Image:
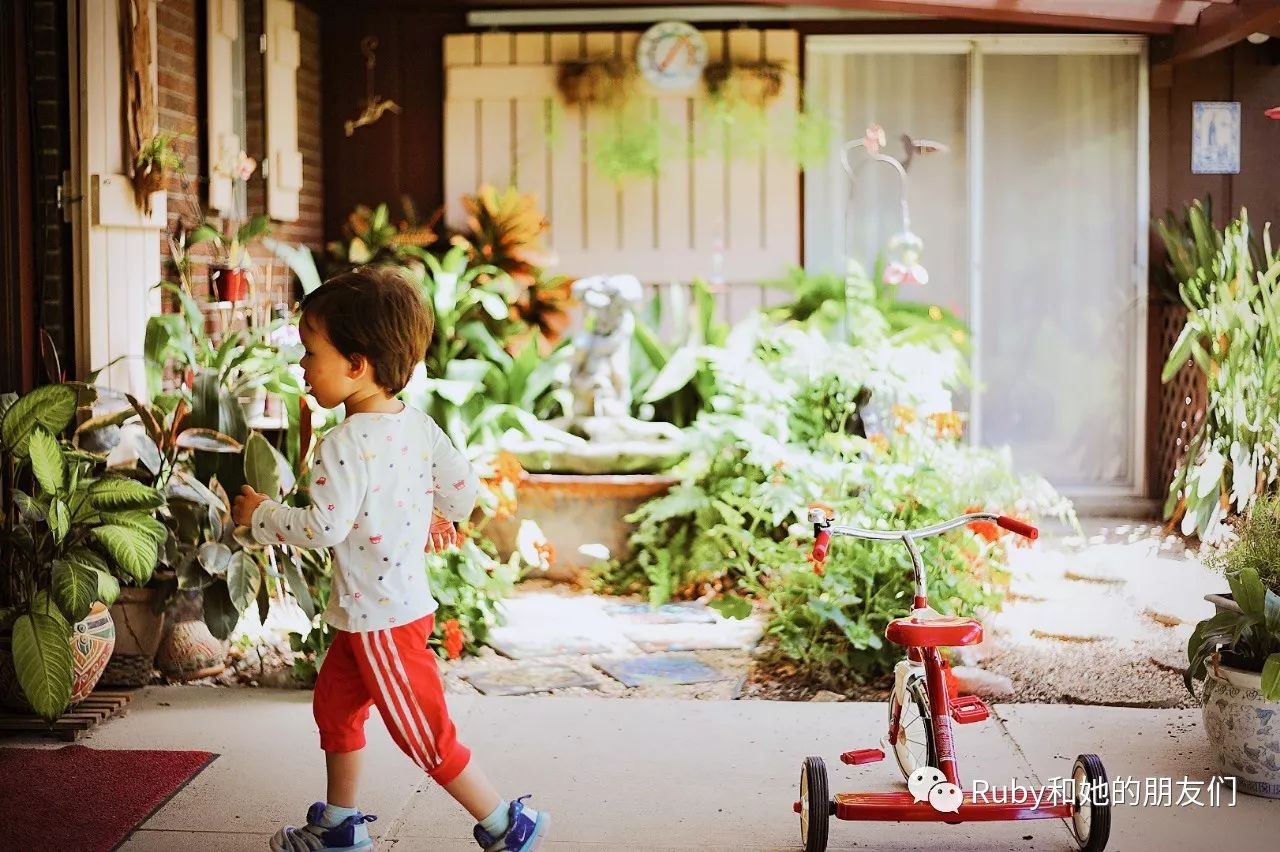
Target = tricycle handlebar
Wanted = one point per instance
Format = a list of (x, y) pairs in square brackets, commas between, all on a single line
[(823, 529)]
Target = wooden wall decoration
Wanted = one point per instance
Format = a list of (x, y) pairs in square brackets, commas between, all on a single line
[(501, 92), (140, 97)]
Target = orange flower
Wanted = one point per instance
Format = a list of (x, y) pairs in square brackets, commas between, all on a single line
[(506, 508), (504, 493), (879, 442), (825, 507), (453, 639), (903, 416), (547, 552), (508, 467), (947, 424), (987, 530)]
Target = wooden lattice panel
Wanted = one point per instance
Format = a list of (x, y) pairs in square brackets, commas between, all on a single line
[(1183, 400), (505, 124)]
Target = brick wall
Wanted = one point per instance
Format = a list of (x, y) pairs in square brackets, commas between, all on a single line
[(181, 33)]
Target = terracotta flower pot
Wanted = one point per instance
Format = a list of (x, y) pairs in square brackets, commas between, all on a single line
[(138, 630), (575, 510), (230, 284)]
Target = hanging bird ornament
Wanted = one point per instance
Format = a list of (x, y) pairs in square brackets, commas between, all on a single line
[(904, 253), (920, 146), (374, 105)]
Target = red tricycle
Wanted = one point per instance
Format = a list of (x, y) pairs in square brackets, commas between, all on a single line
[(921, 711)]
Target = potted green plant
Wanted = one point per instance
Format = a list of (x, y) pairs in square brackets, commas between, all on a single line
[(244, 366), (1237, 653), (1257, 546), (372, 236), (69, 528), (229, 272)]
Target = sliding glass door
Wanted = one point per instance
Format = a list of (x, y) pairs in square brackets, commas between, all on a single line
[(1032, 224)]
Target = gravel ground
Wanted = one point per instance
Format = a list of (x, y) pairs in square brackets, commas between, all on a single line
[(1095, 673)]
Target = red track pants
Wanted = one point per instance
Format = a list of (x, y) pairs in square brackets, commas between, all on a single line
[(395, 670)]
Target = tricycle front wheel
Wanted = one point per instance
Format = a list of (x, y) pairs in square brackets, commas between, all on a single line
[(815, 805)]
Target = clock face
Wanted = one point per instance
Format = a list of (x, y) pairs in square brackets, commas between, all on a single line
[(671, 55)]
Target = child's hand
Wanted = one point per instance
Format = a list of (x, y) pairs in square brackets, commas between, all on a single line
[(443, 533), (245, 504)]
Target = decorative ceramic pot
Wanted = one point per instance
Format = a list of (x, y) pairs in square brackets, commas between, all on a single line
[(190, 651), (1244, 729), (92, 639)]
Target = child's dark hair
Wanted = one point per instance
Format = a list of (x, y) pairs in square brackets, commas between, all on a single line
[(375, 313)]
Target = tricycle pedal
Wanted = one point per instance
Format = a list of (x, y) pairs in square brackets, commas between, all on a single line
[(860, 756), (968, 709)]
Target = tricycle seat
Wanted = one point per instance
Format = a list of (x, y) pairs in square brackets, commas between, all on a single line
[(936, 631)]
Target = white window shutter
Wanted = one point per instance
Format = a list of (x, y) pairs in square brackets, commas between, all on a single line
[(223, 142), (284, 177)]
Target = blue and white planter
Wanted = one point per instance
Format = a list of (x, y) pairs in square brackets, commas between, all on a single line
[(1244, 729)]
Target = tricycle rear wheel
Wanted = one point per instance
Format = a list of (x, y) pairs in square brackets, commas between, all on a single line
[(1091, 822), (914, 746)]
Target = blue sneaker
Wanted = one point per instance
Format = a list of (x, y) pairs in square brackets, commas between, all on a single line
[(349, 835), (526, 831)]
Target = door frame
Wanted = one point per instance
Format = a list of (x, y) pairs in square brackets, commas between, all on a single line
[(975, 47)]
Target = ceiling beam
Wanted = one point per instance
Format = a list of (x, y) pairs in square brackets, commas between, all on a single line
[(1220, 27), (1148, 16)]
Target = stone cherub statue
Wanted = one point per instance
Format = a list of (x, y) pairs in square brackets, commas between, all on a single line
[(601, 376), (600, 435)]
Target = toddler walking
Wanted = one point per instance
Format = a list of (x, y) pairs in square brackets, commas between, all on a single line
[(377, 479)]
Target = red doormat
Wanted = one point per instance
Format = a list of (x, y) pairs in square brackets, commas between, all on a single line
[(86, 799)]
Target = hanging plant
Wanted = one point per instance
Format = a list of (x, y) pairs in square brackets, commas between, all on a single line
[(604, 81), (156, 159), (632, 144), (757, 83), (810, 137)]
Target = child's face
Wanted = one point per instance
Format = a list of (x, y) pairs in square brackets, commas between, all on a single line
[(330, 375)]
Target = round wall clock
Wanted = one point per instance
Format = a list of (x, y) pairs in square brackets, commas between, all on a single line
[(671, 55)]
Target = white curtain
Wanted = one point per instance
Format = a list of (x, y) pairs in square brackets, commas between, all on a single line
[(924, 97), (1059, 313), (1059, 320)]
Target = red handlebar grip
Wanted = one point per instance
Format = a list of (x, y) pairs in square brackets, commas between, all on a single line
[(1020, 527), (820, 544)]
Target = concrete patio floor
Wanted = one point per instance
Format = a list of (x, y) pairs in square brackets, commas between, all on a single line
[(658, 775)]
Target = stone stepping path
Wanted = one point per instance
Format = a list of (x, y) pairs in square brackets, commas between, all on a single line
[(526, 679), (631, 642), (533, 647), (1118, 584), (670, 613), (660, 669)]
